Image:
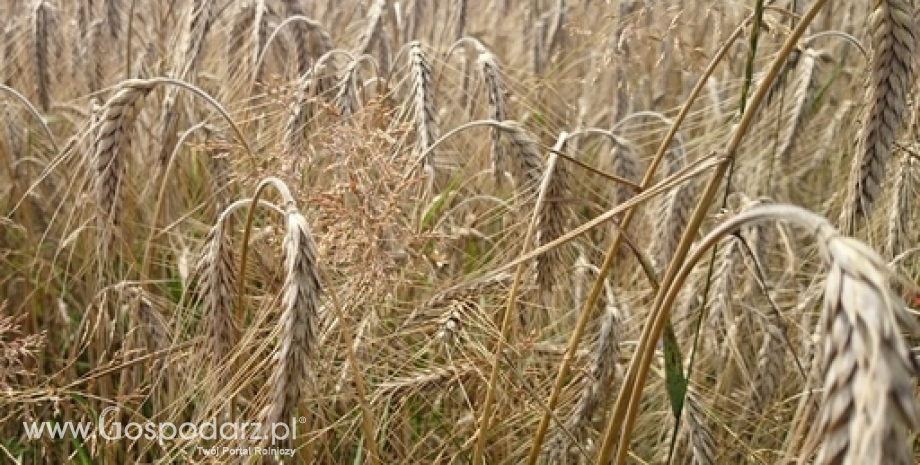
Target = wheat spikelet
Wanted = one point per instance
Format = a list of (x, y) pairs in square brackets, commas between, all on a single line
[(197, 26), (300, 32), (498, 109), (44, 21), (527, 167), (300, 302), (796, 118), (239, 45), (195, 30), (551, 219), (372, 30), (460, 27), (108, 153), (220, 177), (868, 405), (538, 33), (216, 277), (293, 138), (598, 383), (893, 37), (446, 299), (721, 312), (702, 444), (416, 12), (622, 160), (346, 99), (831, 136), (671, 219), (438, 379), (258, 23), (900, 210), (426, 123), (113, 12), (771, 364), (94, 56)]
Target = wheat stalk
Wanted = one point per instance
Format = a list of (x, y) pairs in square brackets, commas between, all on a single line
[(892, 29)]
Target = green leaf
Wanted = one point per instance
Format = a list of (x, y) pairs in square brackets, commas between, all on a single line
[(675, 381)]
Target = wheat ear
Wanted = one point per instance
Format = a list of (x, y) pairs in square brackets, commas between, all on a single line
[(109, 153), (673, 213), (44, 20), (426, 123), (300, 32), (372, 30), (598, 383), (551, 218), (900, 210), (113, 12), (300, 312), (702, 444), (346, 99), (796, 118), (868, 406), (498, 109), (892, 29), (528, 164), (216, 274)]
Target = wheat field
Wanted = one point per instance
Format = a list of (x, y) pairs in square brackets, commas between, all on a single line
[(460, 232)]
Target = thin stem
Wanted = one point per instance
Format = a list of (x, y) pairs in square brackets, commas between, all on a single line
[(628, 401), (610, 255), (512, 301)]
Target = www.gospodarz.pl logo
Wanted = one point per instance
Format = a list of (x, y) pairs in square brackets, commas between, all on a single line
[(162, 432)]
